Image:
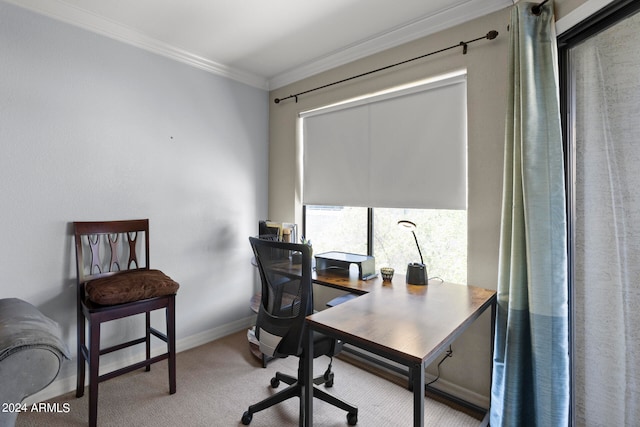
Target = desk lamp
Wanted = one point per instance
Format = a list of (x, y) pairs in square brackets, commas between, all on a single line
[(416, 272)]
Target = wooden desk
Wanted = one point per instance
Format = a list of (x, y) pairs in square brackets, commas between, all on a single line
[(408, 324)]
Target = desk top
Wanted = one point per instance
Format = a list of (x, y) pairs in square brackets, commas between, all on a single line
[(406, 323), (348, 282)]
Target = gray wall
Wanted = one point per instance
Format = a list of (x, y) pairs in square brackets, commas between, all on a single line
[(94, 129)]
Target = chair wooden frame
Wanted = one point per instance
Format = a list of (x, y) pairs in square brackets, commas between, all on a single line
[(93, 235)]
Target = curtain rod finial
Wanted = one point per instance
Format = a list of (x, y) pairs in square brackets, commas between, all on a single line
[(277, 100), (537, 9), (492, 35)]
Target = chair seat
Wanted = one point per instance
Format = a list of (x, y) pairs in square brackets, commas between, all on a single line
[(324, 346), (130, 286)]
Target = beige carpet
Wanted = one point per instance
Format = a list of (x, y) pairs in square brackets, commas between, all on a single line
[(219, 380)]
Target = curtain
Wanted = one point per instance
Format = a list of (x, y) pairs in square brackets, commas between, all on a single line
[(530, 384), (606, 356)]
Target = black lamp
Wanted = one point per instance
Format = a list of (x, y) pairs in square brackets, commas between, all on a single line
[(416, 272)]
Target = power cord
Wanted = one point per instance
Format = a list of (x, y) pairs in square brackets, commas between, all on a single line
[(447, 355)]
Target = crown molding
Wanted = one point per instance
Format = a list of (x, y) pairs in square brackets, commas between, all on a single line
[(460, 12), (454, 15), (72, 15)]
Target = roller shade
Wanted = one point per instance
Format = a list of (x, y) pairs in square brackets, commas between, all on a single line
[(402, 149)]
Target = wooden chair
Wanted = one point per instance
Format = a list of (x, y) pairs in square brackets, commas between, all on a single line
[(114, 286)]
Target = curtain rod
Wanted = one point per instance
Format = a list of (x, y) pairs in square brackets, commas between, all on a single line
[(489, 36)]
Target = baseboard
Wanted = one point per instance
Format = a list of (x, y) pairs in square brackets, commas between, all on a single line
[(68, 384), (485, 420), (476, 399), (398, 373), (214, 333)]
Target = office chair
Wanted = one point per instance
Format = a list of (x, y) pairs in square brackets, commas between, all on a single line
[(287, 299), (114, 286)]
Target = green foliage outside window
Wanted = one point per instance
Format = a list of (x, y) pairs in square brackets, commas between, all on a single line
[(442, 235)]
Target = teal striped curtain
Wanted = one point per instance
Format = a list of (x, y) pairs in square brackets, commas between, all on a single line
[(530, 385)]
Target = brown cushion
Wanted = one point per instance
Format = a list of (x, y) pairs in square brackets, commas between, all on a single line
[(129, 286)]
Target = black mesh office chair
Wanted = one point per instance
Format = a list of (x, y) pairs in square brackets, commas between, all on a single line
[(287, 298)]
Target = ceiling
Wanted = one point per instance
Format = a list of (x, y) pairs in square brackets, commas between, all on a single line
[(264, 44)]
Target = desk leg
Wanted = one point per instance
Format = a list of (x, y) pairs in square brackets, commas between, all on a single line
[(306, 401), (418, 394)]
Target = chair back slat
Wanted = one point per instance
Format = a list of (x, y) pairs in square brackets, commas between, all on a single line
[(95, 267), (133, 256), (114, 264)]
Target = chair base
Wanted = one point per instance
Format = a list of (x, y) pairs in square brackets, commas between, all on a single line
[(295, 389)]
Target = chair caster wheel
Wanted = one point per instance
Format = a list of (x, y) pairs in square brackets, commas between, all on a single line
[(352, 418), (275, 382), (246, 418), (329, 380)]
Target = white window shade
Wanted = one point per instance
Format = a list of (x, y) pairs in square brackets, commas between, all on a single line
[(405, 149)]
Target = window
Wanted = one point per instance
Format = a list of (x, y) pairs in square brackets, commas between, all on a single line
[(600, 59), (441, 233), (402, 148), (336, 228), (403, 151)]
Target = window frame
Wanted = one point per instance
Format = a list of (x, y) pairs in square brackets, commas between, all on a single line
[(607, 17)]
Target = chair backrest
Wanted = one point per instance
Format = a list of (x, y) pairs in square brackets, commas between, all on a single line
[(104, 248), (287, 296)]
